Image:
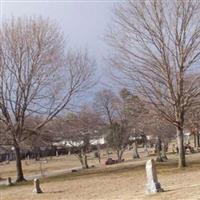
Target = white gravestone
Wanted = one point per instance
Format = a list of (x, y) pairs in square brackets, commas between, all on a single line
[(37, 188), (153, 186)]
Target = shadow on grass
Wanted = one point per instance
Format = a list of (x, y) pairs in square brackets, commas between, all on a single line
[(55, 192), (167, 190), (24, 183)]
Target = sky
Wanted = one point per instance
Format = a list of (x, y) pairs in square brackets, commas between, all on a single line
[(83, 22)]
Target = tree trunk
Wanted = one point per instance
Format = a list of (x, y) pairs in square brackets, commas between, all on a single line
[(158, 150), (146, 148), (159, 157), (135, 150), (119, 155), (80, 157), (99, 153), (181, 149), (85, 162), (195, 139), (107, 153), (20, 175), (163, 153)]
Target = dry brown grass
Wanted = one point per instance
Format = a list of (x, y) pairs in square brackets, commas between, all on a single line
[(32, 167), (124, 181)]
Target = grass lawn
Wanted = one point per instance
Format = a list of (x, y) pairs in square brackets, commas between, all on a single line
[(32, 167), (125, 181)]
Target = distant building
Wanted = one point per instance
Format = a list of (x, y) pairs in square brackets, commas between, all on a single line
[(71, 143)]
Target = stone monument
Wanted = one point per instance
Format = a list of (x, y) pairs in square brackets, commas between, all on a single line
[(153, 186), (37, 188), (9, 181)]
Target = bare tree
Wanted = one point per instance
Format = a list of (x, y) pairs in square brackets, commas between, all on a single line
[(134, 110), (157, 49), (105, 102), (193, 124), (77, 130), (118, 138), (162, 130), (36, 78), (122, 114), (111, 108)]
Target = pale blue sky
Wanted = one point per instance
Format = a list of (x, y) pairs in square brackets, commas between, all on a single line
[(84, 22)]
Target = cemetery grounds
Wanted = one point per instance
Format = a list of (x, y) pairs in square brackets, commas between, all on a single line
[(124, 181)]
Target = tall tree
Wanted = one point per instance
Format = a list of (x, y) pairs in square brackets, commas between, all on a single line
[(193, 123), (112, 109), (135, 110), (160, 129), (157, 48), (118, 138), (105, 103), (78, 129), (36, 77)]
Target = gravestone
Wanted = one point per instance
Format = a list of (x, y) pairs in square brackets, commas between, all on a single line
[(37, 188), (9, 181), (153, 186)]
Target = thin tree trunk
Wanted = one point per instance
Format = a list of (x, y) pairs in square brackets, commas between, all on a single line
[(163, 154), (119, 155), (159, 157), (99, 153), (158, 150), (195, 139), (85, 162), (198, 143), (107, 152), (146, 148), (80, 157), (180, 142), (135, 150), (20, 175)]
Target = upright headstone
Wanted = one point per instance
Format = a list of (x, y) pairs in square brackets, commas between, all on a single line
[(9, 181), (153, 186), (37, 188)]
